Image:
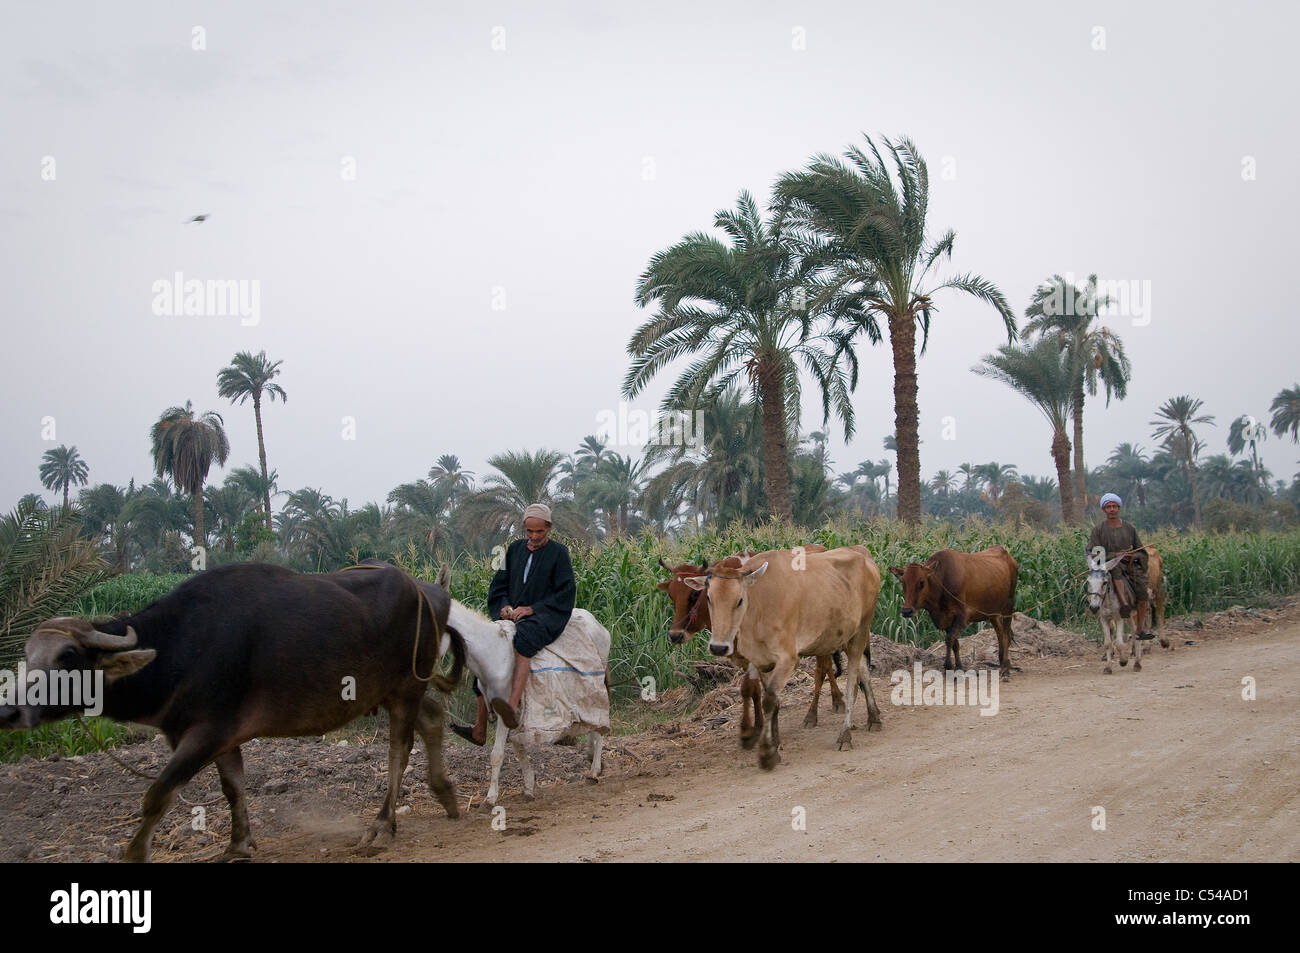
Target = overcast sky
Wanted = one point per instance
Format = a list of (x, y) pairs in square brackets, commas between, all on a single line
[(446, 208)]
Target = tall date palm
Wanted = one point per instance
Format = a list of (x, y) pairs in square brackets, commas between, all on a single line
[(184, 448), (874, 226), (251, 375)]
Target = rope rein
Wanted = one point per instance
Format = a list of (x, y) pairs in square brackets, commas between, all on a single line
[(421, 605)]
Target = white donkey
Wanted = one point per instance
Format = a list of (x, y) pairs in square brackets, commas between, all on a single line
[(1103, 602), (490, 655)]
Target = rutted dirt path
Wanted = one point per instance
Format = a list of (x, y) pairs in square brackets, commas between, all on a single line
[(1184, 768)]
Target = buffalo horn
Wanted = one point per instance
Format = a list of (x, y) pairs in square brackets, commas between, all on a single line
[(95, 639)]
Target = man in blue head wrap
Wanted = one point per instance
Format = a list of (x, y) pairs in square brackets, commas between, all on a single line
[(1116, 537)]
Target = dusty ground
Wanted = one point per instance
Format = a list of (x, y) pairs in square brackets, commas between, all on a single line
[(1184, 768)]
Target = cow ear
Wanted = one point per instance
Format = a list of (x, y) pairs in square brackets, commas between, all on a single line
[(754, 575), (663, 586), (897, 571), (121, 664), (695, 582)]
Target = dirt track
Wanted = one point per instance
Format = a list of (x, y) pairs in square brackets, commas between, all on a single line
[(1184, 768)]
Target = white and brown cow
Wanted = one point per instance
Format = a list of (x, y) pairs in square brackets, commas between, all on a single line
[(783, 604)]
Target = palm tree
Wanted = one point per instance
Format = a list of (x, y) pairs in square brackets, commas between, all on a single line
[(880, 256), (252, 376), (421, 509), (231, 502), (996, 476), (61, 468), (450, 478), (1286, 412), (1041, 374), (522, 478), (713, 480), (1130, 467), (742, 307), (1246, 431), (943, 482), (108, 513), (261, 486), (1043, 489), (619, 480), (1173, 425), (1096, 354), (184, 448), (45, 563)]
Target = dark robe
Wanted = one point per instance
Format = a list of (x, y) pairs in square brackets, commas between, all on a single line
[(1118, 539), (549, 591)]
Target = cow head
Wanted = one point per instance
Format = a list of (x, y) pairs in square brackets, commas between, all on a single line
[(1099, 583), (73, 646), (726, 591), (690, 614), (920, 587)]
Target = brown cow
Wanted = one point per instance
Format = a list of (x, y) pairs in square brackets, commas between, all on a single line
[(691, 614), (1156, 583), (960, 588)]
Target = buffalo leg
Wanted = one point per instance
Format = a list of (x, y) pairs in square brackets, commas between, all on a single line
[(429, 724), (230, 766), (195, 749), (401, 735)]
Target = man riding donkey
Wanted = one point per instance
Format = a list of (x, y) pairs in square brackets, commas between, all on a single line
[(1120, 538), (535, 590)]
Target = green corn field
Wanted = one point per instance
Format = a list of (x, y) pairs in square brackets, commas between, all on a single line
[(617, 582)]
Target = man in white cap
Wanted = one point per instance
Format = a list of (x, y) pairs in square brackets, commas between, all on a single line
[(1116, 537), (535, 590)]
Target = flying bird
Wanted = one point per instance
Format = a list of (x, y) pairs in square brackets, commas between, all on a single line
[(198, 218)]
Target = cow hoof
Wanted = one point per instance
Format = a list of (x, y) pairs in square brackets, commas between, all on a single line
[(846, 738), (837, 706), (1166, 644), (1137, 666), (810, 720), (748, 741), (1006, 676), (1107, 671), (529, 797), (875, 724), (447, 798), (591, 779), (767, 760), (237, 852)]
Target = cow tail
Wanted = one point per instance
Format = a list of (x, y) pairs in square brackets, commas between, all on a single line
[(447, 683)]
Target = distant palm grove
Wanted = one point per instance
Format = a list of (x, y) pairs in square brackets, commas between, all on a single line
[(842, 259)]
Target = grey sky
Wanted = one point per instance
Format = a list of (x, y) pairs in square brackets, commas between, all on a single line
[(524, 169)]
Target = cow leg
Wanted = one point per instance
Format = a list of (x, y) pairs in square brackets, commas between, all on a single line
[(530, 776), (751, 692), (429, 724), (195, 749), (401, 735), (769, 755), (874, 721), (1002, 626), (954, 649), (1137, 650), (497, 758), (597, 741), (859, 677), (810, 719), (230, 766), (837, 698)]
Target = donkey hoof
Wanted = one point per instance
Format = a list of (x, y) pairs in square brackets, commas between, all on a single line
[(1123, 663), (769, 759), (845, 738), (1107, 671)]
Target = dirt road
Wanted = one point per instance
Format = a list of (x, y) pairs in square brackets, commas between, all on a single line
[(1184, 768)]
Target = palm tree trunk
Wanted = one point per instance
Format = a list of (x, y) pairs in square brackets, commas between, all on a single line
[(65, 495), (1196, 496), (200, 537), (902, 337), (776, 458), (1080, 475), (261, 454), (1061, 455)]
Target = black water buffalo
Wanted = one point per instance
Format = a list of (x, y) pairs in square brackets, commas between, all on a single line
[(254, 650)]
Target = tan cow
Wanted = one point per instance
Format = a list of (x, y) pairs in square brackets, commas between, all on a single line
[(691, 614), (786, 603)]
